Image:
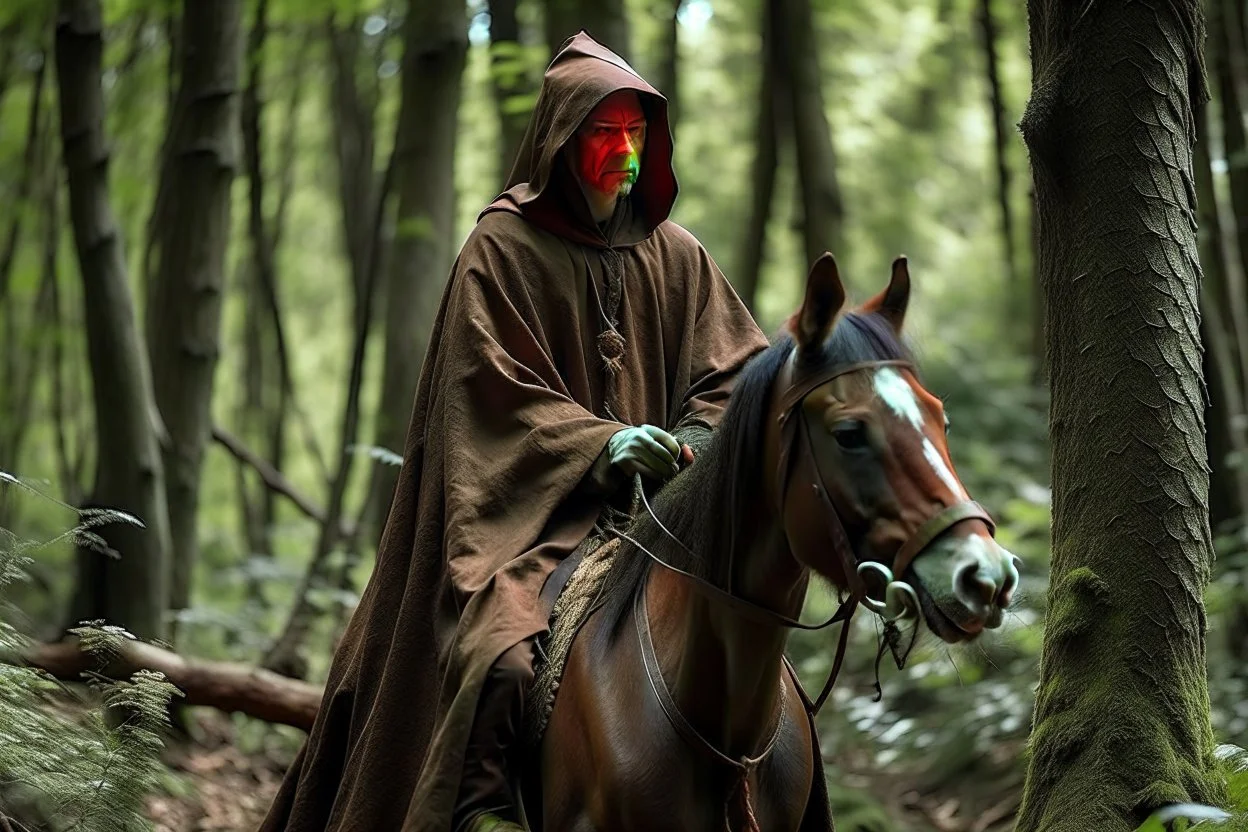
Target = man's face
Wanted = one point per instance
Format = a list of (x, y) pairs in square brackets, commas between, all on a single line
[(609, 144)]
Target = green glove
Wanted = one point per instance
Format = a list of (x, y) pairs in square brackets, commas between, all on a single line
[(644, 450)]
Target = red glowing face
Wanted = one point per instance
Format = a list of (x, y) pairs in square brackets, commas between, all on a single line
[(609, 144)]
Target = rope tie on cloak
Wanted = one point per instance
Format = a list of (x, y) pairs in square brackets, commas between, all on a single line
[(611, 343)]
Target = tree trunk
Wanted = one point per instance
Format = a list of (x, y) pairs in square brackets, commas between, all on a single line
[(26, 178), (511, 83), (20, 364), (266, 377), (605, 20), (668, 78), (363, 199), (436, 49), (184, 311), (988, 32), (763, 170), (1230, 66), (132, 590), (1228, 485), (1121, 723), (232, 688), (354, 132), (823, 210)]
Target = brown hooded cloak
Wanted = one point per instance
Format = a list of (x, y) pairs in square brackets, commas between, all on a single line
[(553, 333)]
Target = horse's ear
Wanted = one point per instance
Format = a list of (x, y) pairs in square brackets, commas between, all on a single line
[(892, 302), (825, 295)]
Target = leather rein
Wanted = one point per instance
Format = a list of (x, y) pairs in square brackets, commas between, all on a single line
[(797, 475)]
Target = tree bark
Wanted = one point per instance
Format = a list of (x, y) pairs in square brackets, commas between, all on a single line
[(996, 102), (823, 209), (434, 55), (232, 688), (1121, 723), (763, 169), (605, 20), (510, 82), (132, 590), (184, 311)]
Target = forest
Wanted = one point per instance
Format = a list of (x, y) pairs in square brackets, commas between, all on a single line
[(225, 230)]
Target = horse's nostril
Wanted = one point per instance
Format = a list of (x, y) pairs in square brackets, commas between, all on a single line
[(973, 588)]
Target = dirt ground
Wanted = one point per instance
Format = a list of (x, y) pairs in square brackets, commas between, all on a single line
[(223, 789)]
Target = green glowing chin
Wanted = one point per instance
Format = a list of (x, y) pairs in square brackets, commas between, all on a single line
[(634, 168)]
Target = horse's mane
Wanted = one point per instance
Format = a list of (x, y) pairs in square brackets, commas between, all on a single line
[(696, 505)]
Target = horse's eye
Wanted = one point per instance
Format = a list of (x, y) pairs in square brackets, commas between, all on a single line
[(851, 435)]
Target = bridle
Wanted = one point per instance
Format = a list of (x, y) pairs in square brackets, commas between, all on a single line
[(800, 481)]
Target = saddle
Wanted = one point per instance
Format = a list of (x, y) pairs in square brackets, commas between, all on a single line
[(572, 593)]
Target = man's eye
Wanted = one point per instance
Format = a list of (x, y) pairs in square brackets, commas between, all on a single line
[(602, 131)]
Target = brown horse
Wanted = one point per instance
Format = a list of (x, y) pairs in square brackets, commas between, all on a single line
[(677, 710)]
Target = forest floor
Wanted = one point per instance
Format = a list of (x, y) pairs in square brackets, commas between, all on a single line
[(220, 787), (224, 789)]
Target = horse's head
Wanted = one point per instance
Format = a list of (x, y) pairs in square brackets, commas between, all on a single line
[(862, 472)]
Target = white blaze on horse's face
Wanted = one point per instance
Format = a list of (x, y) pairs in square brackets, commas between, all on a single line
[(897, 393), (968, 577)]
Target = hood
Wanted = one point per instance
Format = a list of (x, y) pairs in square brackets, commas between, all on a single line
[(542, 187)]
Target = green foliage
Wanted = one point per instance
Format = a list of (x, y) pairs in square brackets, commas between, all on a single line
[(70, 761)]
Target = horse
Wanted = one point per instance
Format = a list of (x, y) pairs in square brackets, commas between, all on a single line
[(677, 709)]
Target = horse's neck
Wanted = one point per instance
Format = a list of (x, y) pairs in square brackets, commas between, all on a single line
[(724, 669)]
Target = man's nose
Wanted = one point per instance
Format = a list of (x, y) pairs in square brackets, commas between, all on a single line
[(623, 143)]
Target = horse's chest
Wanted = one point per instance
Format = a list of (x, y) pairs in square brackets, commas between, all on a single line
[(672, 786)]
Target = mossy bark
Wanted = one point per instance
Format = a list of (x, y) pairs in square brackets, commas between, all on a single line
[(1122, 710)]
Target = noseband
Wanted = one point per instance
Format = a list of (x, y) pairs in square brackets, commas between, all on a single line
[(798, 479)]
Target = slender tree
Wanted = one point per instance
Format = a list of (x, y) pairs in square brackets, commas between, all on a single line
[(131, 590), (605, 20), (509, 74), (1231, 70), (668, 73), (823, 207), (435, 50), (363, 196), (989, 36), (767, 126), (1227, 441), (184, 309), (1121, 722)]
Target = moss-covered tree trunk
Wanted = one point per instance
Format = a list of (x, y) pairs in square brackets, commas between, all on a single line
[(1122, 710), (131, 590)]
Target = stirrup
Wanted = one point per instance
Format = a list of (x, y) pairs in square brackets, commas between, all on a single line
[(490, 822)]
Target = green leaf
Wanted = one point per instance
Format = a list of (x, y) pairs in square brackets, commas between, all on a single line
[(1160, 820)]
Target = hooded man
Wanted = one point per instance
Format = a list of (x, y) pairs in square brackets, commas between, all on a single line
[(582, 338)]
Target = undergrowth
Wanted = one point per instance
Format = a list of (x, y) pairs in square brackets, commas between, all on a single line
[(73, 759)]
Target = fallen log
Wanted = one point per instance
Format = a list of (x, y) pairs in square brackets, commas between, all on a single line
[(226, 686)]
